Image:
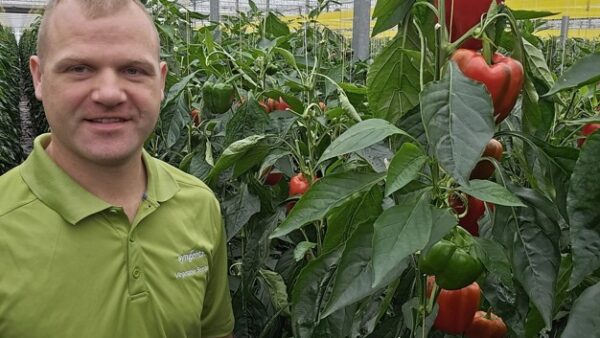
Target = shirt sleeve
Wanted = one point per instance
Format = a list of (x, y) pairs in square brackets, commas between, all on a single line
[(217, 315)]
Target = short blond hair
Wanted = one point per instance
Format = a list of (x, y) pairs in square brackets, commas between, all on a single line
[(92, 9)]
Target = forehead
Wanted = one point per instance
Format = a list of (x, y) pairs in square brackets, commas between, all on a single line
[(128, 28)]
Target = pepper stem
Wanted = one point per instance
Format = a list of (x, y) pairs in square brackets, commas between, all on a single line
[(488, 315)]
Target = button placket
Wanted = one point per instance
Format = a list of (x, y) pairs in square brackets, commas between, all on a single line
[(137, 283)]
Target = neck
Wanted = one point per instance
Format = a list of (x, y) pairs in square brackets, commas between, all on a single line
[(120, 184)]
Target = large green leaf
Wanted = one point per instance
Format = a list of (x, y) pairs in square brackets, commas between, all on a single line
[(342, 221), (585, 71), (249, 119), (178, 88), (307, 292), (390, 13), (526, 15), (405, 167), (235, 152), (360, 136), (457, 115), (400, 231), (393, 81), (238, 210), (537, 63), (274, 27), (536, 256), (583, 211), (354, 274), (489, 191), (326, 194), (584, 320), (277, 290)]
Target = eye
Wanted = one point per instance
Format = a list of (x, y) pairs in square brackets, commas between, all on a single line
[(132, 71), (79, 69)]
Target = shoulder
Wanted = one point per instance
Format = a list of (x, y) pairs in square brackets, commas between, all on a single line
[(185, 181), (15, 192), (181, 176)]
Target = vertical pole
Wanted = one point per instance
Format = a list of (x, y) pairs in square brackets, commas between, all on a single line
[(215, 16), (237, 6), (564, 32), (361, 29), (268, 7)]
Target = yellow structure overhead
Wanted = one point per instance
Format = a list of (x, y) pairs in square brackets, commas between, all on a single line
[(578, 11)]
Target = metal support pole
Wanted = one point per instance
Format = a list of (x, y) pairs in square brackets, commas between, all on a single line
[(564, 31), (215, 15), (361, 29), (268, 5)]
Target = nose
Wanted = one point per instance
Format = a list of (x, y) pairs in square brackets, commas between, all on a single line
[(108, 89)]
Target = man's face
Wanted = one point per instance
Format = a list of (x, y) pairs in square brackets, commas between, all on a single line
[(101, 83)]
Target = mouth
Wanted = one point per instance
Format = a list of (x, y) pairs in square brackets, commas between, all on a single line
[(107, 120)]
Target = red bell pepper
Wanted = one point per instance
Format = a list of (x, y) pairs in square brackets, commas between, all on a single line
[(466, 14), (503, 79), (486, 325), (456, 308)]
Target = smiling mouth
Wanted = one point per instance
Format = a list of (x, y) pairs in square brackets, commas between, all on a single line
[(107, 120)]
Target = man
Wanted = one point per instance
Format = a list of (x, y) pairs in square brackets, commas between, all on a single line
[(97, 238)]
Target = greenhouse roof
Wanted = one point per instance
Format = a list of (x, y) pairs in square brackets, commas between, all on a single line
[(584, 15)]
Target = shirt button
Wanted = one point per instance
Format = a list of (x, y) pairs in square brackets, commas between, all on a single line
[(131, 238), (113, 210), (136, 273)]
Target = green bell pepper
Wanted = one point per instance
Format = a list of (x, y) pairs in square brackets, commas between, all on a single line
[(218, 97), (452, 263)]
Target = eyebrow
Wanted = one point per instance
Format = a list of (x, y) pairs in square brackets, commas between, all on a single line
[(142, 63)]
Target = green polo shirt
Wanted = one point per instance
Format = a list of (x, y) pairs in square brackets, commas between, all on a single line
[(72, 265)]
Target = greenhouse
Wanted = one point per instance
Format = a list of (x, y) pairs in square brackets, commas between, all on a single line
[(300, 168)]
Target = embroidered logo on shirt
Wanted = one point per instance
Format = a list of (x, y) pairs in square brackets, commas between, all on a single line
[(188, 273), (191, 257)]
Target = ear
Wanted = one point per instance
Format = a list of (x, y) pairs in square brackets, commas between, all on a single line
[(35, 68), (163, 78)]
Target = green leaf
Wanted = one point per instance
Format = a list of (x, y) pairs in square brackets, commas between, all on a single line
[(584, 320), (400, 231), (238, 210), (583, 211), (360, 136), (354, 275), (489, 191), (249, 119), (496, 261), (287, 55), (177, 89), (393, 81), (302, 248), (348, 107), (585, 71), (343, 220), (457, 115), (179, 118), (536, 62), (527, 15), (307, 291), (443, 222), (327, 193), (390, 13), (274, 27), (236, 151), (405, 167), (535, 254), (271, 159), (277, 290)]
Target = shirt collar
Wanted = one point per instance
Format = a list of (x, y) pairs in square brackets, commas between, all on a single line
[(61, 193)]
